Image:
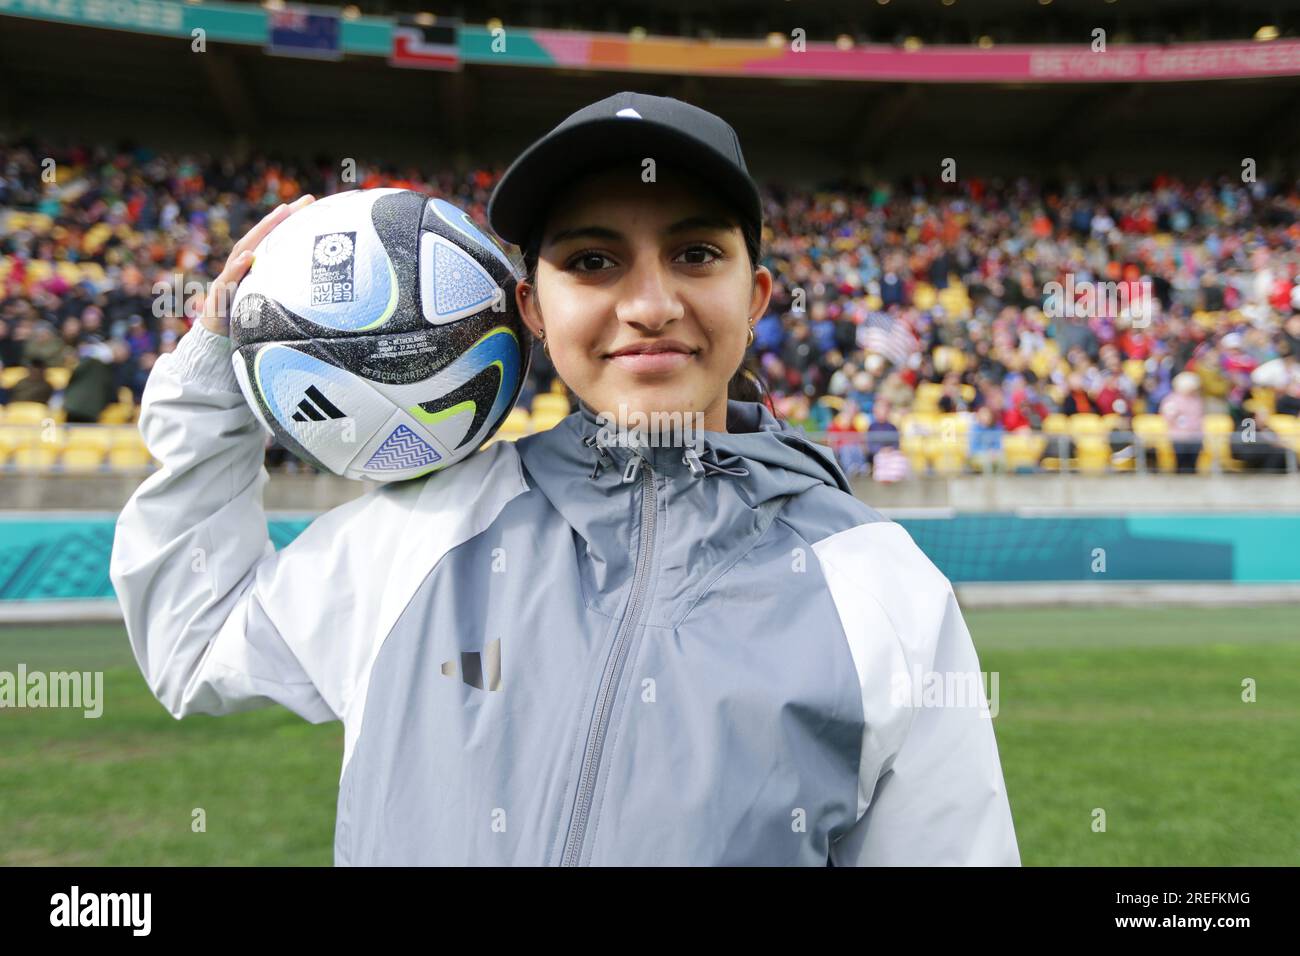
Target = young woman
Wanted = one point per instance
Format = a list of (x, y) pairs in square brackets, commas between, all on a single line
[(594, 645)]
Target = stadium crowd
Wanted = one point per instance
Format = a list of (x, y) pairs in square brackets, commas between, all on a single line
[(901, 310)]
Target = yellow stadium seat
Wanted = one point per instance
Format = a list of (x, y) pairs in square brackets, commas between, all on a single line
[(127, 458), (12, 375), (124, 436), (1153, 432), (946, 453), (1086, 423), (58, 377), (1092, 454), (1216, 450), (27, 413), (36, 458), (1056, 428), (20, 436), (927, 396), (1261, 399), (116, 414), (89, 436), (1022, 450), (517, 424), (551, 404), (949, 359), (1040, 363), (543, 420), (1288, 430), (1284, 424), (82, 458)]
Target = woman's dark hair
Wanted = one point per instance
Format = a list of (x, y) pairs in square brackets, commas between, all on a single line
[(747, 384)]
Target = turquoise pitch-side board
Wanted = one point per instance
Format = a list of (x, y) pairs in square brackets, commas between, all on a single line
[(63, 556)]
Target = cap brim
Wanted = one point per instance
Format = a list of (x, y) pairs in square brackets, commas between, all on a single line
[(538, 176)]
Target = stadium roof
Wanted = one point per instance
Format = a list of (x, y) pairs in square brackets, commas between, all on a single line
[(68, 82)]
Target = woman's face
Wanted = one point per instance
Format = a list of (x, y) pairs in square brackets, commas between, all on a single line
[(627, 263)]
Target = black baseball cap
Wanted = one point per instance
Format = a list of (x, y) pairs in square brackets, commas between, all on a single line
[(623, 126)]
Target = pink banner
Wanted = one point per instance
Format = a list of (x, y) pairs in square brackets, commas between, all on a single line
[(937, 64)]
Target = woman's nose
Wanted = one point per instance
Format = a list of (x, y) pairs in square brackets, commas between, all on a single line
[(648, 297)]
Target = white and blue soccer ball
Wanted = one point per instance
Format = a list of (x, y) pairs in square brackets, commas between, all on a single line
[(376, 334)]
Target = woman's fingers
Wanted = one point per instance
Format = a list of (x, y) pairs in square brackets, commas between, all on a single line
[(222, 291), (272, 219)]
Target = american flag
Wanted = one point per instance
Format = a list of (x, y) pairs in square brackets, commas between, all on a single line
[(888, 336)]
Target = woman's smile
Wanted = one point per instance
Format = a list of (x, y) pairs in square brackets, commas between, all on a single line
[(651, 363)]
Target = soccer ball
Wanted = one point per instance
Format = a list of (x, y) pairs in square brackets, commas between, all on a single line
[(376, 334)]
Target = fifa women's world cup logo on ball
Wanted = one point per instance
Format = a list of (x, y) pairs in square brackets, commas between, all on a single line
[(331, 273)]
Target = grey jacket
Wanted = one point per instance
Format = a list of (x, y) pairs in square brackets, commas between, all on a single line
[(561, 652)]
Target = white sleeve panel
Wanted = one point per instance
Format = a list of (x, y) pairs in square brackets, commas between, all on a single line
[(931, 790), (219, 621)]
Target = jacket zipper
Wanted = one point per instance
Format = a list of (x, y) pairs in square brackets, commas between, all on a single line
[(612, 675)]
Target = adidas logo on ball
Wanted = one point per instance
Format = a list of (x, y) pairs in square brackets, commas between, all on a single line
[(316, 407)]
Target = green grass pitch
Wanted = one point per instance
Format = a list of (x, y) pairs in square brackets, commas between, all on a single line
[(1134, 711)]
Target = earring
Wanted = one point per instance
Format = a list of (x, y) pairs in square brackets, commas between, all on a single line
[(545, 348), (751, 337)]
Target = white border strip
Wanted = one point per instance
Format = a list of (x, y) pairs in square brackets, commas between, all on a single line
[(1124, 594)]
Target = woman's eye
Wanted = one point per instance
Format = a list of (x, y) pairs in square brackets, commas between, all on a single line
[(700, 255), (599, 262), (588, 262)]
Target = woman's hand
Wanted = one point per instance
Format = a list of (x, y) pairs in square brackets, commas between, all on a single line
[(222, 291)]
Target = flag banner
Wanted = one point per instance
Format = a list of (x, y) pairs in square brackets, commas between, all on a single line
[(311, 32), (424, 46), (889, 336)]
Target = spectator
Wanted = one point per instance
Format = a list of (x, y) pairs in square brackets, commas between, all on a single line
[(44, 345), (881, 433), (986, 439), (34, 386), (1256, 445), (1183, 410), (90, 389), (1077, 400), (847, 441)]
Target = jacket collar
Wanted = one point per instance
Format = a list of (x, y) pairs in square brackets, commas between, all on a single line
[(762, 456), (713, 513)]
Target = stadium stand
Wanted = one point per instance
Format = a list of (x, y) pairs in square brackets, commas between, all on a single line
[(932, 301)]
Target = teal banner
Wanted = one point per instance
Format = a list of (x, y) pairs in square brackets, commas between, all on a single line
[(64, 556), (138, 16)]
